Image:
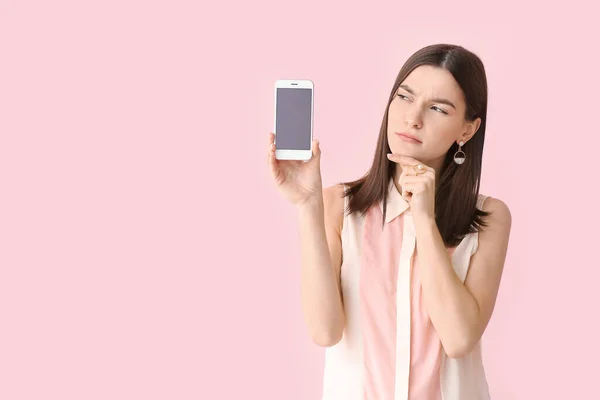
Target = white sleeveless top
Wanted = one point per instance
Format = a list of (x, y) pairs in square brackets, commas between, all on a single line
[(345, 375)]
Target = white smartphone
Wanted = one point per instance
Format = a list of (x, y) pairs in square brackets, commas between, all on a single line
[(293, 119)]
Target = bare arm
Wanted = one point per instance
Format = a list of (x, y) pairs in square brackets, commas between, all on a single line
[(460, 312), (320, 223)]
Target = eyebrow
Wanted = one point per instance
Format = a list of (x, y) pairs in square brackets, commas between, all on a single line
[(436, 100)]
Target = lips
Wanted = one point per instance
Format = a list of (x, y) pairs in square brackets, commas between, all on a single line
[(408, 137)]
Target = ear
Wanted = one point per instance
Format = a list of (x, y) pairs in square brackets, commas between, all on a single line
[(471, 129)]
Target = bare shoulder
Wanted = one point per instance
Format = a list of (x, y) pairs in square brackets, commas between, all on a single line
[(499, 221), (333, 203), (499, 210)]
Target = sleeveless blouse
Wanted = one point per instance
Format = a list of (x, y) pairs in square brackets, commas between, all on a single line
[(390, 349)]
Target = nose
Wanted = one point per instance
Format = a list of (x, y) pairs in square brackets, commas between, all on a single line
[(412, 118)]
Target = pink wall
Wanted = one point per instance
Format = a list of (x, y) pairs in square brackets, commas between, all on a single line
[(143, 251)]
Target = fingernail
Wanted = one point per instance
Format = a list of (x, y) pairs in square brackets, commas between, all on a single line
[(389, 155)]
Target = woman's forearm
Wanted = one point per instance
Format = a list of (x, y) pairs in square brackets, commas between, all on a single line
[(320, 288), (452, 308)]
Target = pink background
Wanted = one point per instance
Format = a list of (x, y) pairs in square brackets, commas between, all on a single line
[(144, 253)]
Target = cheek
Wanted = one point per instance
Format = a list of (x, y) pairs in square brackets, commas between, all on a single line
[(394, 113), (442, 134)]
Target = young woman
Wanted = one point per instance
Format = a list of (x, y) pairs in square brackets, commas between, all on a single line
[(401, 268)]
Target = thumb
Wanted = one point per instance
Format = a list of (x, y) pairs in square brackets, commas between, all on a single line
[(316, 148), (316, 153)]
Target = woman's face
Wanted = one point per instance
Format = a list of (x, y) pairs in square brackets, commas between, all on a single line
[(430, 106)]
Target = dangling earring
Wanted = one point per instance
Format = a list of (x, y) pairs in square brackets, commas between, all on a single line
[(458, 157)]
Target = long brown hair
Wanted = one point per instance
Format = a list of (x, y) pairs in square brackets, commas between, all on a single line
[(457, 189)]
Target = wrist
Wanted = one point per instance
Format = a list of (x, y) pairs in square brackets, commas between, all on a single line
[(425, 221), (312, 204)]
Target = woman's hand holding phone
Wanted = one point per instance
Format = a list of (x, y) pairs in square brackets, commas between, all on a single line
[(298, 181)]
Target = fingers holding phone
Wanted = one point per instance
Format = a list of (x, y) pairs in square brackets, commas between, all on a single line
[(297, 180)]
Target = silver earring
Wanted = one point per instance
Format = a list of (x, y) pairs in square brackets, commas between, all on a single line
[(460, 156)]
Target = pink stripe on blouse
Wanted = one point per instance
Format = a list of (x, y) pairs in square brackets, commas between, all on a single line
[(378, 281), (378, 290)]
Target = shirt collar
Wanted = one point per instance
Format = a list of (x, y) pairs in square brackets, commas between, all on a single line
[(396, 204)]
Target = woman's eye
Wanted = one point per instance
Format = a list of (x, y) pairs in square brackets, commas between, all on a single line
[(438, 110), (403, 97)]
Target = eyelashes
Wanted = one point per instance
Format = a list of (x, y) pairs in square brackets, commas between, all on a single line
[(435, 108)]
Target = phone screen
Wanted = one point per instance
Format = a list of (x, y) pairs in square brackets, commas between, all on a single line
[(293, 119)]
